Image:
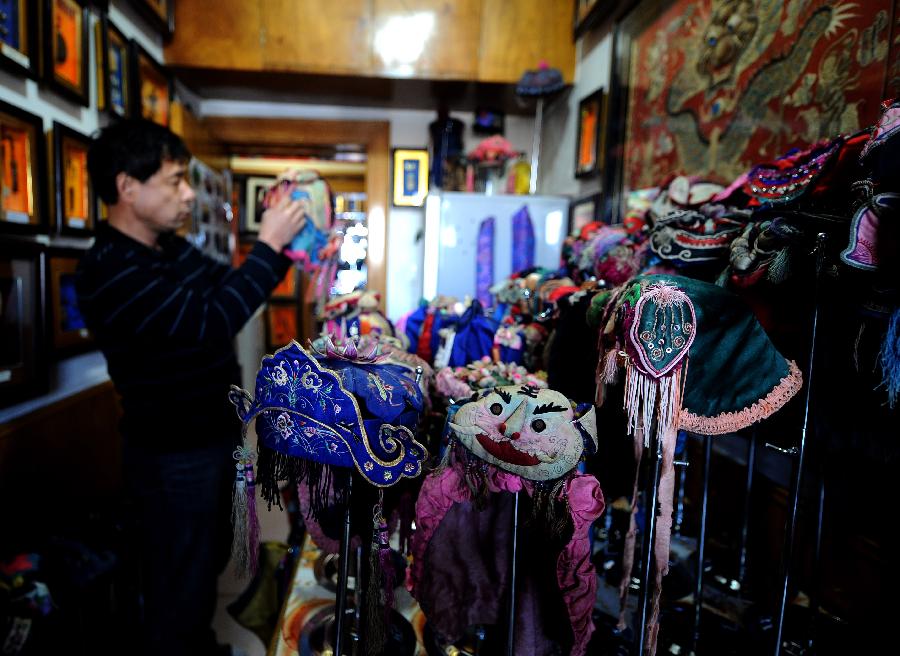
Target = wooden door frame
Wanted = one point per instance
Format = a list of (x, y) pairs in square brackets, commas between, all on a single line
[(246, 133)]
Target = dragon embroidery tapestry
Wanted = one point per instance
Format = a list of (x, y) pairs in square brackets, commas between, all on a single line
[(718, 85)]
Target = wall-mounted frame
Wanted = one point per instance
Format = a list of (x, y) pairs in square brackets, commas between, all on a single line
[(151, 87), (589, 13), (67, 330), (66, 53), (253, 210), (75, 207), (114, 63), (282, 325), (19, 37), (159, 13), (591, 132), (584, 210), (22, 321), (22, 164), (410, 173)]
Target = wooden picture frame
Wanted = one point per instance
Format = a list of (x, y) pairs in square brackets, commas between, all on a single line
[(282, 325), (159, 13), (589, 14), (114, 64), (66, 49), (584, 210), (591, 133), (151, 87), (75, 206), (252, 215), (66, 328), (410, 177), (23, 371), (19, 49), (22, 165)]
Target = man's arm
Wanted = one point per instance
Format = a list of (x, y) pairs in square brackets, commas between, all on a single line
[(147, 302)]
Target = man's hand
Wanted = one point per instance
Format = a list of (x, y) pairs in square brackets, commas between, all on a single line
[(282, 221)]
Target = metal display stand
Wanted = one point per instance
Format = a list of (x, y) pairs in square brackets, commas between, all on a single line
[(511, 621), (649, 538), (343, 575)]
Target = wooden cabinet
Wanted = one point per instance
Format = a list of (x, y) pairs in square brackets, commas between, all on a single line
[(515, 36), (222, 35), (317, 37), (433, 39), (471, 40)]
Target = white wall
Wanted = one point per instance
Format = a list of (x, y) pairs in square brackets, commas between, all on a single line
[(31, 97), (409, 127), (560, 127)]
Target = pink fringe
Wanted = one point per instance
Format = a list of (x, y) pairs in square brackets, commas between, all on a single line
[(611, 366), (729, 422)]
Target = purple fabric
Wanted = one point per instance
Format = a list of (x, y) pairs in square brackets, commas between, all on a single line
[(484, 262), (452, 538), (522, 241)]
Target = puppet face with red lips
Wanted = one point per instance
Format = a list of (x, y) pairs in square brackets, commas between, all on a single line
[(525, 430)]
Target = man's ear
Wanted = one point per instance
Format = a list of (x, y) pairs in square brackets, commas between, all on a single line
[(126, 186)]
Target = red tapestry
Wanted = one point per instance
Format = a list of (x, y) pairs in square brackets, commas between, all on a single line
[(717, 86)]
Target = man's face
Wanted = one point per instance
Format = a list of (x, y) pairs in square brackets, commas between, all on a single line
[(163, 202)]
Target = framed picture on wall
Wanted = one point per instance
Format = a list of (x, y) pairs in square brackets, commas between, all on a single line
[(67, 330), (588, 149), (584, 210), (160, 14), (74, 204), (23, 162), (253, 206), (19, 37), (21, 321), (66, 49), (410, 176), (113, 69), (589, 13), (151, 88), (282, 325)]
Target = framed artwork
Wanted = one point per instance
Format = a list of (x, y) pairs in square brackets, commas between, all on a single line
[(67, 330), (151, 87), (22, 359), (583, 211), (160, 14), (589, 13), (66, 49), (282, 325), (588, 150), (285, 290), (707, 91), (253, 207), (113, 69), (23, 165), (74, 203), (19, 37), (410, 176)]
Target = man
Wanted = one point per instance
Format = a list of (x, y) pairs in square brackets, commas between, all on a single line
[(165, 316)]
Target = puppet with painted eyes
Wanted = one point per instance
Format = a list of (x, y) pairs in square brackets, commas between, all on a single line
[(507, 440)]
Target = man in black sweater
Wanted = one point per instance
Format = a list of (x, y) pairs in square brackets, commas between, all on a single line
[(165, 316)]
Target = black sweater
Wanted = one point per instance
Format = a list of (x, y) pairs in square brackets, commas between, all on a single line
[(165, 320)]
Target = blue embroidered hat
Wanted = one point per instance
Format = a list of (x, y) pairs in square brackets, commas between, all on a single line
[(341, 409)]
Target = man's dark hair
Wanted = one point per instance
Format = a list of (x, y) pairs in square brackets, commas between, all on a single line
[(137, 147)]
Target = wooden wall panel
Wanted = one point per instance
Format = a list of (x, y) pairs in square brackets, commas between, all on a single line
[(515, 36), (450, 41), (223, 35), (317, 37)]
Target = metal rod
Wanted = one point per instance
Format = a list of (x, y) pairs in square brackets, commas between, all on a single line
[(510, 632), (536, 146), (343, 574), (748, 495), (814, 591), (652, 494), (791, 523), (701, 542)]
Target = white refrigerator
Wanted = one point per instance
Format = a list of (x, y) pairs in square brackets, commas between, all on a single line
[(452, 222)]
